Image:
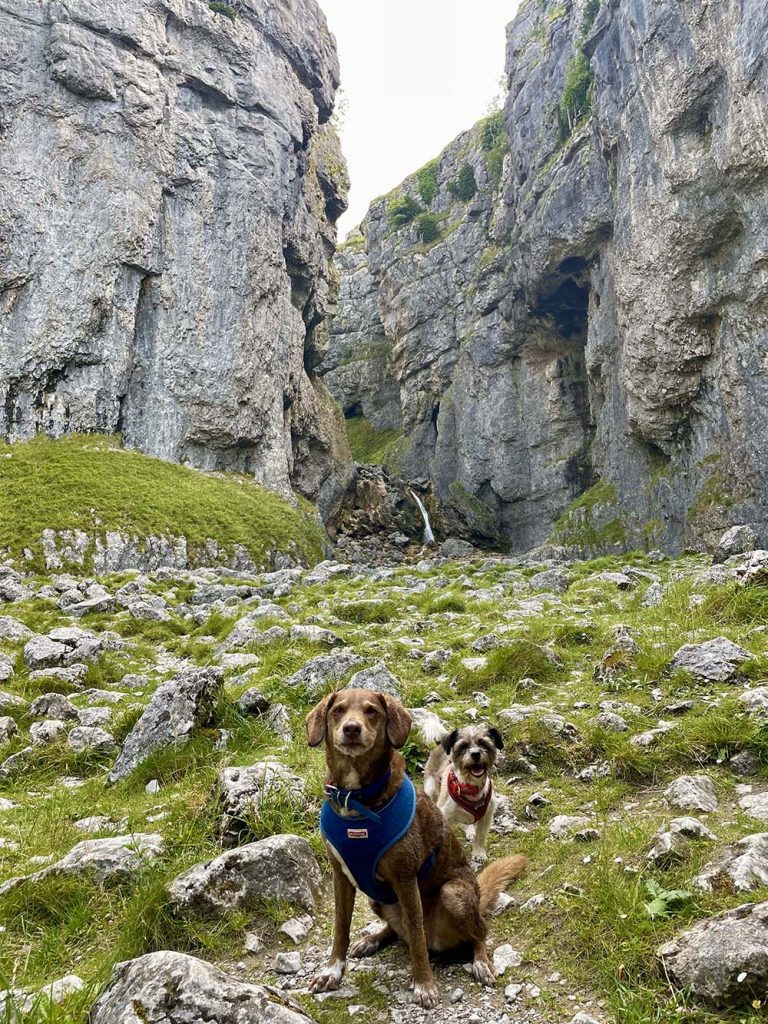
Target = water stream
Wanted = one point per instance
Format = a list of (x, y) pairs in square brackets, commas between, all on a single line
[(429, 537)]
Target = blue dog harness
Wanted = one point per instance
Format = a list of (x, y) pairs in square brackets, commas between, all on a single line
[(362, 842)]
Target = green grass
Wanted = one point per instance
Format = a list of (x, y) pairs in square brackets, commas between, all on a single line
[(371, 445), (602, 942), (89, 483)]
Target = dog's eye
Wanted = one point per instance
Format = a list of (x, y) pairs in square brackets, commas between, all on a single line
[(371, 712), (338, 712)]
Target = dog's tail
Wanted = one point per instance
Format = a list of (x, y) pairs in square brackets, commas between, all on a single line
[(496, 877)]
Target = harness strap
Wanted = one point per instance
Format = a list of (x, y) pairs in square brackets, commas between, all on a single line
[(467, 796), (352, 799)]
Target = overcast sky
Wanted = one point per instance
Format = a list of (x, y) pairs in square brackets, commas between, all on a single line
[(414, 74)]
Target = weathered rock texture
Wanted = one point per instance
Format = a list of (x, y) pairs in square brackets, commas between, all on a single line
[(170, 184), (602, 315)]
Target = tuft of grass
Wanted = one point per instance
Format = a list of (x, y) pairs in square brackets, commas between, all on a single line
[(368, 611), (90, 483)]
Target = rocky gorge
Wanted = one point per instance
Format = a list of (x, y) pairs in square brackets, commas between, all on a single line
[(561, 321)]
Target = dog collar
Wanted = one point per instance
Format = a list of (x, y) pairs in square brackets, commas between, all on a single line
[(468, 797), (352, 799)]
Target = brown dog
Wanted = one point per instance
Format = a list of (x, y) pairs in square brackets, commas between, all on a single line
[(436, 901)]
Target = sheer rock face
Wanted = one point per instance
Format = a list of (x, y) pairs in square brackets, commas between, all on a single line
[(170, 184), (603, 313)]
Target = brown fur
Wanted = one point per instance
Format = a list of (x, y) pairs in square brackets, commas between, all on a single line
[(443, 911)]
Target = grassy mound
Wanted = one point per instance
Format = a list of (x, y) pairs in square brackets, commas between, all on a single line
[(89, 483)]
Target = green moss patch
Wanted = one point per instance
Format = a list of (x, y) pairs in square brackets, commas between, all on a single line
[(371, 445)]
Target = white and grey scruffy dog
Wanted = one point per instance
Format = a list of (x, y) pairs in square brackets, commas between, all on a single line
[(457, 777)]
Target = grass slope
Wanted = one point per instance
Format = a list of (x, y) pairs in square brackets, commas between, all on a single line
[(90, 483)]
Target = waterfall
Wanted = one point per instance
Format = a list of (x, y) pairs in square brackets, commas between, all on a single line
[(429, 537)]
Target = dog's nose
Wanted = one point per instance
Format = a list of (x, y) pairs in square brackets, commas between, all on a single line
[(475, 755), (352, 730)]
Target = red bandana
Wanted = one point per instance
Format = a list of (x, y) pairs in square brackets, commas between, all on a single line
[(466, 796)]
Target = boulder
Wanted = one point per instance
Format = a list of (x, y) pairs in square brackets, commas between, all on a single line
[(168, 986), (315, 635), (755, 701), (86, 737), (118, 858), (735, 541), (177, 708), (8, 729), (13, 630), (242, 790), (319, 672), (41, 734), (745, 864), (722, 960), (378, 678), (745, 763), (756, 805), (692, 793), (53, 705), (26, 1000), (564, 826), (455, 548), (609, 721), (554, 580), (252, 702), (716, 661), (7, 667), (42, 652), (281, 867)]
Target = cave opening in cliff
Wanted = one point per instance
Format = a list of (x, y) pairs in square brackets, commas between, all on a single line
[(353, 412), (559, 318)]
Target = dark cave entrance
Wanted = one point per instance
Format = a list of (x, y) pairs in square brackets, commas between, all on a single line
[(353, 412), (559, 316)]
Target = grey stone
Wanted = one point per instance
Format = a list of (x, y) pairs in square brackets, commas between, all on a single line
[(692, 793), (735, 541), (53, 705), (315, 635), (744, 864), (42, 652), (611, 722), (41, 734), (554, 580), (13, 630), (745, 763), (86, 737), (724, 959), (756, 701), (563, 826), (8, 729), (319, 672), (756, 805), (121, 857), (281, 867), (378, 677), (24, 1000), (241, 791), (715, 661), (252, 702), (177, 987), (177, 707)]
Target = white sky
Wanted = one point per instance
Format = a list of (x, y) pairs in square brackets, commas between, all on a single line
[(414, 74)]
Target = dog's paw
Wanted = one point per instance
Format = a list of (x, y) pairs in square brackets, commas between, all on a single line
[(478, 856), (426, 995), (365, 946), (483, 972), (328, 980)]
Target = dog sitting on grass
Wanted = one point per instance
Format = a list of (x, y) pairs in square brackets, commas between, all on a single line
[(389, 840), (458, 778)]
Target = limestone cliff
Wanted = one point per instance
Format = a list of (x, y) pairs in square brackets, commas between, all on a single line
[(169, 184), (595, 327)]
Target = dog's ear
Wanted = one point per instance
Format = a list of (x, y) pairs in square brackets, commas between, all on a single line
[(316, 721), (398, 721), (450, 740), (496, 737)]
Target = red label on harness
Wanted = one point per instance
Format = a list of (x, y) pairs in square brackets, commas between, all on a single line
[(357, 833)]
